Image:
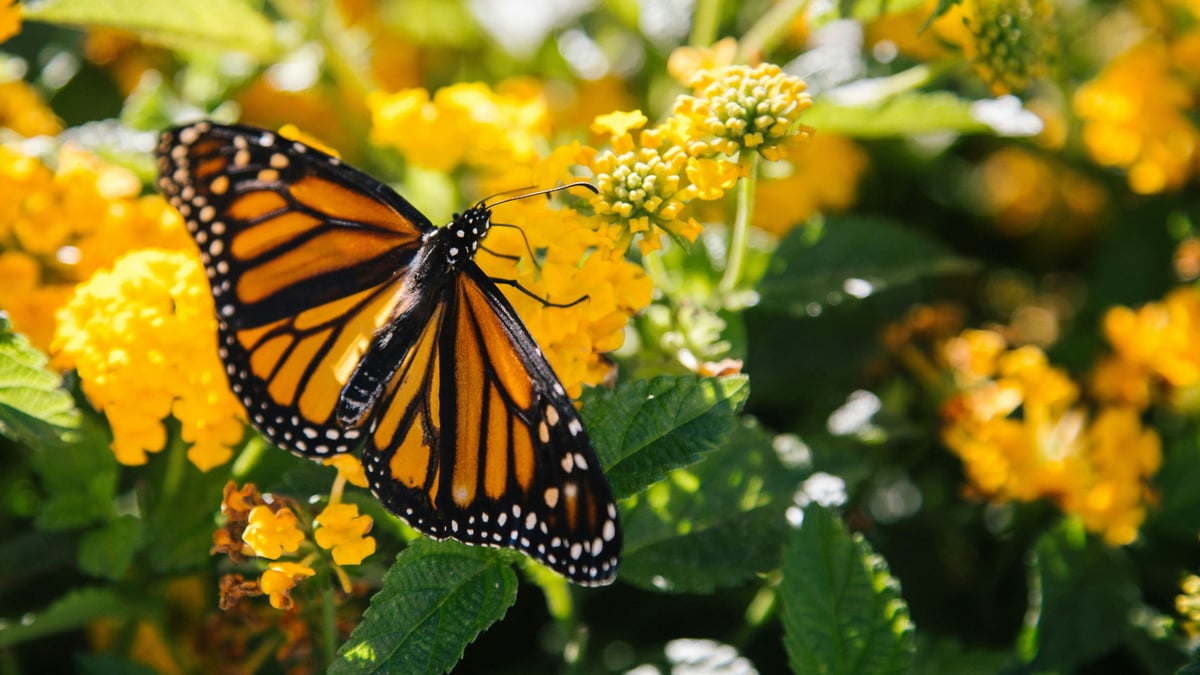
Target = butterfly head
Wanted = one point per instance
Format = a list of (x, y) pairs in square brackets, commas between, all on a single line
[(460, 239)]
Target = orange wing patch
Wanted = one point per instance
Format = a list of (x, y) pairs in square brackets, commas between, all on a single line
[(306, 361), (340, 202), (272, 233)]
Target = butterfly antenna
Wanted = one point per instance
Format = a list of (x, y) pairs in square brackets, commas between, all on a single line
[(568, 186)]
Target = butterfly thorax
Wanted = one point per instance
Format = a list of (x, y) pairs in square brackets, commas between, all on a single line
[(458, 241)]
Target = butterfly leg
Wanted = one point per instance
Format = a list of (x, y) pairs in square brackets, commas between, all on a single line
[(545, 303), (528, 247)]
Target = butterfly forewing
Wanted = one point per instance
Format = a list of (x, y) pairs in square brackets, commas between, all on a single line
[(345, 319), (305, 257)]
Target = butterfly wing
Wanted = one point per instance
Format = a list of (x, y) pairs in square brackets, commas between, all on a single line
[(306, 257), (474, 438)]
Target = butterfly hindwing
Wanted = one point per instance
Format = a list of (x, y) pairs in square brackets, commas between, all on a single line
[(305, 256), (477, 440)]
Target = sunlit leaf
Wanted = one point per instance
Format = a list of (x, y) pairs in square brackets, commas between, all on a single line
[(435, 600), (216, 25), (644, 429)]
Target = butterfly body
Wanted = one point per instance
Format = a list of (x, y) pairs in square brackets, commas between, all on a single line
[(347, 321)]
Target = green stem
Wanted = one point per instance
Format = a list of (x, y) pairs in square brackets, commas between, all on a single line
[(176, 466), (768, 31), (705, 23), (741, 225), (653, 264)]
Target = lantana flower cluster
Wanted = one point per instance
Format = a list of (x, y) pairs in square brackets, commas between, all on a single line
[(1023, 434), (1155, 354), (1136, 117), (60, 225), (270, 527), (143, 339)]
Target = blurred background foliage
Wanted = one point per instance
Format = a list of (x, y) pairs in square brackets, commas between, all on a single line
[(943, 418)]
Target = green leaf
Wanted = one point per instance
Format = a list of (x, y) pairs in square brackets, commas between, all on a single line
[(74, 610), (205, 25), (842, 610), (716, 523), (855, 257), (1081, 596), (644, 429), (907, 114), (435, 601), (80, 479), (107, 551), (34, 408)]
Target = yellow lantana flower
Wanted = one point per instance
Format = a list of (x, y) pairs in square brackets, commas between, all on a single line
[(280, 578), (740, 107), (22, 108), (70, 221), (646, 183), (272, 533), (1156, 348), (10, 19), (1097, 470), (462, 123), (341, 530), (1013, 42), (349, 468), (143, 339), (1135, 116)]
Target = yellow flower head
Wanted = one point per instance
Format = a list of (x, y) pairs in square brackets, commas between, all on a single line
[(271, 533), (280, 578), (10, 19), (1095, 470), (341, 530), (646, 184), (1135, 116), (739, 107), (1155, 347), (1122, 456), (619, 123), (463, 123), (349, 468), (236, 505), (1013, 42), (68, 222), (22, 108), (143, 339)]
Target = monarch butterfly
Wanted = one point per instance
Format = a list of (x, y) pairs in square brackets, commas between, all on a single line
[(346, 320)]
